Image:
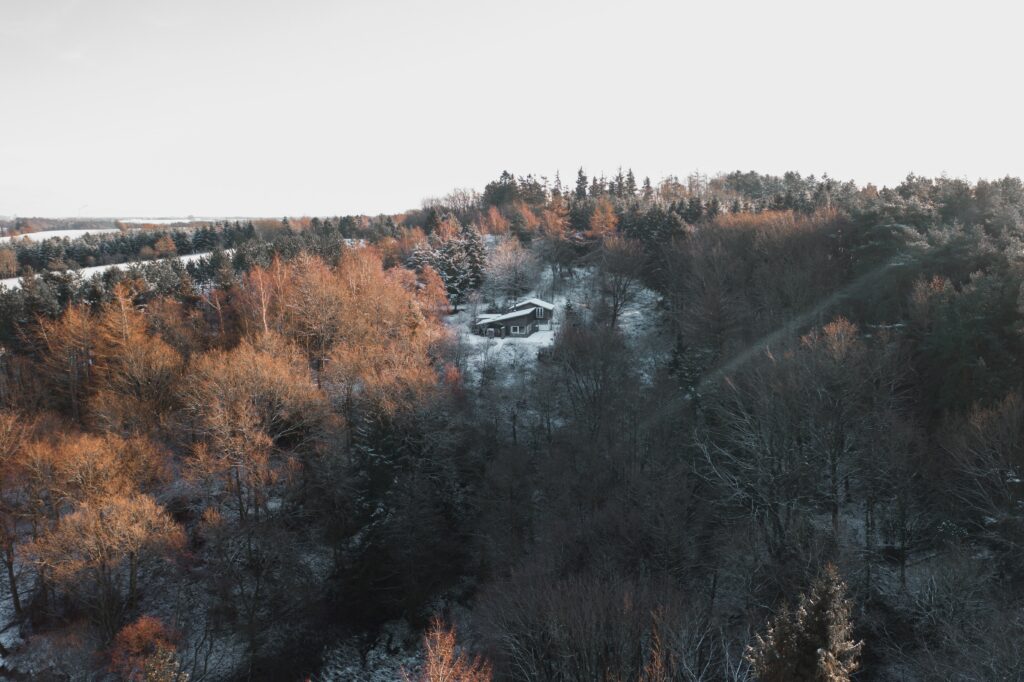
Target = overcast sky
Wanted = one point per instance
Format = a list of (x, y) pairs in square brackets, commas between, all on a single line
[(302, 107)]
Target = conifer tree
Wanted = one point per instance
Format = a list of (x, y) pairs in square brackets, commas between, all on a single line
[(714, 207), (648, 191), (581, 184), (630, 183), (475, 256), (433, 221), (812, 643)]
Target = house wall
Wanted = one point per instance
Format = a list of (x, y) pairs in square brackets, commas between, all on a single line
[(526, 324)]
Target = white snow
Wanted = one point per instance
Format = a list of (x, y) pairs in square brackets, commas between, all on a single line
[(87, 273), (58, 234), (162, 221), (536, 302)]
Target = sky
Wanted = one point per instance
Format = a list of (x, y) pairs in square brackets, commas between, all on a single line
[(140, 108)]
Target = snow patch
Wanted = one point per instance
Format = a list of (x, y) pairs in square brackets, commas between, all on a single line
[(57, 234)]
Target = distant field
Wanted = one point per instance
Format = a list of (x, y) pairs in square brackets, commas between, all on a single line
[(86, 273), (54, 234)]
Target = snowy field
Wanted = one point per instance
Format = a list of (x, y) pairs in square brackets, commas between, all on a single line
[(165, 221), (58, 234), (87, 273)]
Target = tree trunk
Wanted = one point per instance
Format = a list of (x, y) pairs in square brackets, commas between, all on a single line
[(12, 579)]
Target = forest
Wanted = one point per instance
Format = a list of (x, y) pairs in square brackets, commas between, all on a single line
[(776, 435)]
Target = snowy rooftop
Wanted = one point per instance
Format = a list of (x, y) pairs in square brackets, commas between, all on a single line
[(501, 318), (537, 302)]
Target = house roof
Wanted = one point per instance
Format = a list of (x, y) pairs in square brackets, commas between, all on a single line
[(535, 302), (515, 314)]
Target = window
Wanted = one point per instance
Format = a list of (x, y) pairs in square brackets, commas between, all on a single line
[(515, 330), (540, 313)]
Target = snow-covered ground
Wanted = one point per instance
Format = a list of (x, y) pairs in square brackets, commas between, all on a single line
[(58, 234), (87, 273), (163, 221)]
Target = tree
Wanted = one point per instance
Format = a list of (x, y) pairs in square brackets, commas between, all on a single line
[(603, 220), (14, 431), (475, 255), (94, 553), (164, 247), (135, 371), (630, 187), (493, 222), (501, 192), (444, 662), (511, 271), (621, 266), (252, 407), (813, 642), (145, 651), (8, 263), (67, 357), (647, 193), (581, 185)]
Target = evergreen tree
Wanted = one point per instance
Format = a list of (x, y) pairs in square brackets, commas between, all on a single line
[(714, 207), (475, 256), (630, 183), (813, 643), (694, 210), (581, 184), (433, 221), (648, 192)]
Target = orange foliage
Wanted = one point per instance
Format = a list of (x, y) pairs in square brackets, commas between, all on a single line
[(136, 644), (165, 247), (242, 403), (530, 220), (67, 345), (444, 663), (838, 339), (603, 221), (448, 229), (135, 372), (554, 220), (493, 222), (8, 263)]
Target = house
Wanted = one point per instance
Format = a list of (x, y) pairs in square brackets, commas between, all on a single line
[(522, 319)]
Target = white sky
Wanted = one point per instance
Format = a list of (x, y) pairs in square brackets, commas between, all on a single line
[(292, 107)]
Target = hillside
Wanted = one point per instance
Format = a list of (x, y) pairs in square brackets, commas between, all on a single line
[(293, 455)]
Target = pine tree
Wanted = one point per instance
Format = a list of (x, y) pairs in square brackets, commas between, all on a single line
[(648, 192), (475, 256), (813, 643), (581, 184), (714, 208), (630, 183), (433, 221), (694, 210)]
